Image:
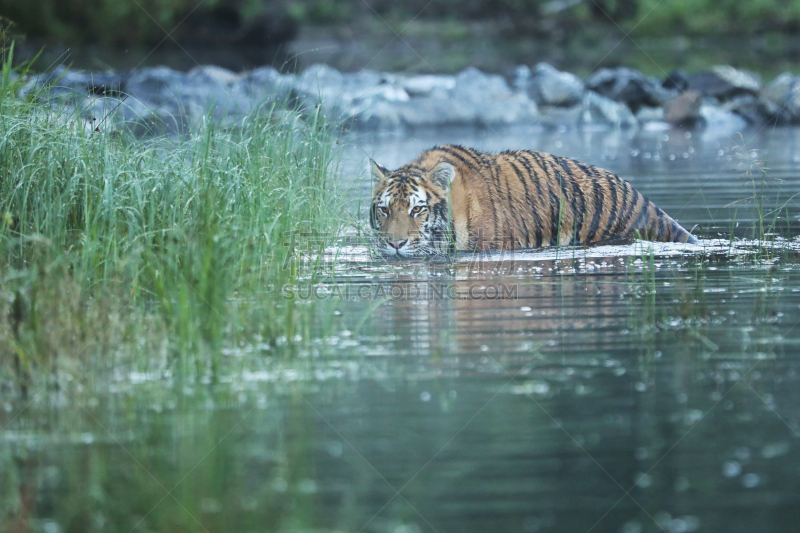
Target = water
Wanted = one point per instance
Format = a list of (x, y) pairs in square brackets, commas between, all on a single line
[(622, 389)]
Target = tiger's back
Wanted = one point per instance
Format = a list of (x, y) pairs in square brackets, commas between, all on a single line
[(526, 199)]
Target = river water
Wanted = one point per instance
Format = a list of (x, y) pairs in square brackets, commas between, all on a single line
[(630, 388)]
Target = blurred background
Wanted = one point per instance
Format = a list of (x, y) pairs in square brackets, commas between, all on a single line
[(441, 36)]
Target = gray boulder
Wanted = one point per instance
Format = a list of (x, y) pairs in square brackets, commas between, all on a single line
[(109, 113), (784, 92), (756, 111), (677, 80), (346, 97), (491, 99), (266, 85), (593, 112), (471, 99), (725, 82), (550, 87), (427, 85), (63, 83), (650, 114), (599, 110), (629, 87), (189, 97), (721, 121)]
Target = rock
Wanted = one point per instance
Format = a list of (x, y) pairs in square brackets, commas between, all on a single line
[(676, 80), (470, 99), (435, 112), (684, 110), (629, 87), (650, 114), (491, 99), (108, 110), (63, 83), (267, 85), (550, 87), (522, 78), (721, 121), (161, 100), (349, 98), (428, 85), (109, 113), (756, 110), (784, 92), (594, 112), (320, 79), (188, 98), (725, 82), (599, 110), (779, 88)]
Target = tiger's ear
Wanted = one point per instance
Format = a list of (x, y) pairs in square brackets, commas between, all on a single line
[(443, 174), (377, 172)]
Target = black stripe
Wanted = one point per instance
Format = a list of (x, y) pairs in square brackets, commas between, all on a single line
[(449, 150), (477, 156), (661, 226), (640, 219), (595, 174), (589, 170), (624, 222), (492, 165), (547, 167), (621, 208), (608, 231), (470, 244), (578, 211), (373, 216), (495, 171), (496, 180), (563, 205), (510, 201), (456, 152), (438, 235), (555, 205), (599, 199), (533, 176), (544, 167), (679, 233)]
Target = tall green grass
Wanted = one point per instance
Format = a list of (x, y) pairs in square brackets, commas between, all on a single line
[(171, 248)]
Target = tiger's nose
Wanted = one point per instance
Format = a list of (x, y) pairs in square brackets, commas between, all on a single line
[(397, 244)]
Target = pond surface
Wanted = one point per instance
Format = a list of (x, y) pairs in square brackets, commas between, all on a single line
[(635, 388)]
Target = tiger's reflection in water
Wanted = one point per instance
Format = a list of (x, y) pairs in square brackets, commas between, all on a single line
[(506, 311)]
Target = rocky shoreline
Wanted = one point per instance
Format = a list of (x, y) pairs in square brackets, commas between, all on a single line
[(159, 100)]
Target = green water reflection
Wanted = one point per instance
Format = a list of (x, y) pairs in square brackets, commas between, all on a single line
[(598, 395)]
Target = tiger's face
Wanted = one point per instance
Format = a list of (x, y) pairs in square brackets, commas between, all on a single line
[(409, 210)]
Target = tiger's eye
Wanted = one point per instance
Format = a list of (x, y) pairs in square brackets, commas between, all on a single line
[(416, 209), (385, 210)]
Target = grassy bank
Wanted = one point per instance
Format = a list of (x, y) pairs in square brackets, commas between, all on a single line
[(168, 251)]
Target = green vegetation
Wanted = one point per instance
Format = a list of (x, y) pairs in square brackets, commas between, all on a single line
[(171, 249), (646, 17), (142, 21), (137, 22), (71, 20), (729, 17)]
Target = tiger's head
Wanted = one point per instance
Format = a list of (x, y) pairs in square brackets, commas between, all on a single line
[(410, 209)]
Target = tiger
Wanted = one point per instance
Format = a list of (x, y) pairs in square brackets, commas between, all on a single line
[(452, 198)]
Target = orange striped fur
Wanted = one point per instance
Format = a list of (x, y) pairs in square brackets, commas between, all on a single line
[(455, 198)]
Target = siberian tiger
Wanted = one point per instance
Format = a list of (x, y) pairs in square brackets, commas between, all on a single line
[(455, 198)]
